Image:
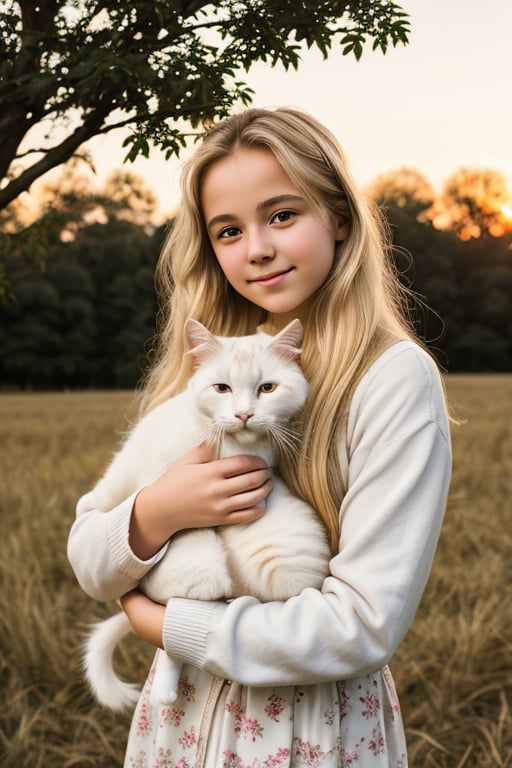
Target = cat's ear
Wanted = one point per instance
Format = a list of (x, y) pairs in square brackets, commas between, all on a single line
[(287, 342), (201, 343)]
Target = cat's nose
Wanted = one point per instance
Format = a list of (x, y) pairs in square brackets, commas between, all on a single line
[(244, 417)]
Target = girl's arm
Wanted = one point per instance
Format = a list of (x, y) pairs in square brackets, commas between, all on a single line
[(111, 551), (398, 470)]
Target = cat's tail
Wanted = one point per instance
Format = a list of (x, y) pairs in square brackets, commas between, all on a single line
[(109, 689)]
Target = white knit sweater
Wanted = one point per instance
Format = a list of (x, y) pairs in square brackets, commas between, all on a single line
[(396, 461)]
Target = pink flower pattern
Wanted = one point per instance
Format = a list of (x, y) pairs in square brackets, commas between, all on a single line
[(345, 704), (186, 689), (280, 758), (275, 706), (371, 704), (144, 725), (172, 716), (349, 758), (188, 739), (247, 727), (139, 761), (377, 741), (231, 760), (309, 754), (352, 724), (164, 759)]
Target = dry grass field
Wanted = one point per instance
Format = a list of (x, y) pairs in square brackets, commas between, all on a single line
[(453, 671)]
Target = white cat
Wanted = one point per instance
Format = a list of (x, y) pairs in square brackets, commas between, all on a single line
[(240, 398)]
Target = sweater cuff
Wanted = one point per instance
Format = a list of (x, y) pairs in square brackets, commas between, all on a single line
[(118, 532), (186, 627)]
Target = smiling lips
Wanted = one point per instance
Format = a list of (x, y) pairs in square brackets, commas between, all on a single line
[(272, 278)]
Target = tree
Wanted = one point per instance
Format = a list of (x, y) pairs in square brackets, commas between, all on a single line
[(66, 205), (81, 68), (472, 203), (463, 288), (85, 320), (405, 187)]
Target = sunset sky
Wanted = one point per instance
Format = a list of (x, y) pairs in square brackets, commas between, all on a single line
[(441, 102)]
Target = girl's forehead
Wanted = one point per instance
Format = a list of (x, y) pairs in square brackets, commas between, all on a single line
[(245, 177), (258, 162)]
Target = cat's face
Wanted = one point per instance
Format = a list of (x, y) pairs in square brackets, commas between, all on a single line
[(248, 386)]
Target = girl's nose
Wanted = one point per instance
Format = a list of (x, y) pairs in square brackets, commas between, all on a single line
[(260, 247)]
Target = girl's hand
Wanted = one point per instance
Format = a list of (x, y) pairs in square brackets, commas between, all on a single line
[(197, 492), (145, 616)]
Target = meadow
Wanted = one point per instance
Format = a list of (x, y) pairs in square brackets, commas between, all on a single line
[(453, 670)]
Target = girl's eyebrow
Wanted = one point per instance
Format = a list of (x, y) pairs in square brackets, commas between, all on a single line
[(277, 200), (225, 218)]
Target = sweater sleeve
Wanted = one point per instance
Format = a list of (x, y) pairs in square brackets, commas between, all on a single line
[(99, 550), (398, 463)]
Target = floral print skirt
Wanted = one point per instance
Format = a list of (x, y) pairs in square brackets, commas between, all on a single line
[(217, 723)]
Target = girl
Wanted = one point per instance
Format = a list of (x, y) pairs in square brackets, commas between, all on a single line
[(272, 227)]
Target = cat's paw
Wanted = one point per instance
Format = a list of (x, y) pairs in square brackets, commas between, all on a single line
[(214, 584), (164, 689), (160, 697), (194, 566)]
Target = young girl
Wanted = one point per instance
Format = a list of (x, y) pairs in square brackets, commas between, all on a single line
[(272, 227)]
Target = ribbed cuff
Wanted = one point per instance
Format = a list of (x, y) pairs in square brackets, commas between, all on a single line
[(118, 531), (185, 630)]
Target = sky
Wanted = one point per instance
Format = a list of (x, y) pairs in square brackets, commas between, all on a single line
[(442, 102)]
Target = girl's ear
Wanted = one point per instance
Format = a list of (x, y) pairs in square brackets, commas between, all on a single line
[(287, 342), (201, 343), (341, 230)]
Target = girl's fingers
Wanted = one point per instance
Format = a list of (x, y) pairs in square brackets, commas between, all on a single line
[(244, 484), (250, 500), (240, 465)]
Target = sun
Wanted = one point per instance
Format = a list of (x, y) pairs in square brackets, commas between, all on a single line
[(506, 210)]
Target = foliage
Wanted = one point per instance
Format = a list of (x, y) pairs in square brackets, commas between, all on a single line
[(453, 669), (85, 319), (406, 187), (78, 68), (82, 306), (463, 291), (472, 203), (66, 206), (462, 287)]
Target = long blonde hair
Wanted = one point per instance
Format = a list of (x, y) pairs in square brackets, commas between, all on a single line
[(355, 315)]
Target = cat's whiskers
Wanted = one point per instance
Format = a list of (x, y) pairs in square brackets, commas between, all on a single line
[(214, 436), (285, 439)]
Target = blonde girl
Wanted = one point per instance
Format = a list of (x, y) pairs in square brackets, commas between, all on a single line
[(271, 226)]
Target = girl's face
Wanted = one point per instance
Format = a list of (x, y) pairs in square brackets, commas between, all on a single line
[(268, 239)]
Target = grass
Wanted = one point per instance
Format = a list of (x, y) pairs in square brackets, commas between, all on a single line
[(453, 670)]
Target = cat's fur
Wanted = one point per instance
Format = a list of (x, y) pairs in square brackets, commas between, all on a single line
[(272, 558)]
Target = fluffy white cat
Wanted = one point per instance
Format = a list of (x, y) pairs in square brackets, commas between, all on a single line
[(240, 398)]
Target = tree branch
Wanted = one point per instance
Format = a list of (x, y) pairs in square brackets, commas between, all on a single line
[(53, 157), (190, 7)]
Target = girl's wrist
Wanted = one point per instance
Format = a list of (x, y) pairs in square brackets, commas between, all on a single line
[(149, 525), (145, 616)]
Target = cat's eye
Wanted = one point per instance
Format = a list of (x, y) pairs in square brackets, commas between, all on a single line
[(221, 388), (267, 387)]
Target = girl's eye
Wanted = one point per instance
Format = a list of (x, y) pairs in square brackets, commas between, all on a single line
[(267, 387), (229, 232), (221, 388), (281, 217)]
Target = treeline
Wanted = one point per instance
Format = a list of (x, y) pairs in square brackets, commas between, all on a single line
[(463, 291), (85, 318)]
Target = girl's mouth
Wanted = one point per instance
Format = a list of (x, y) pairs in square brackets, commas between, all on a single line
[(272, 278)]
